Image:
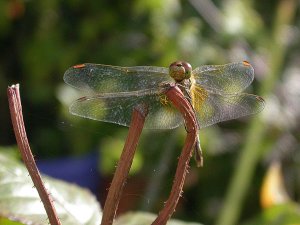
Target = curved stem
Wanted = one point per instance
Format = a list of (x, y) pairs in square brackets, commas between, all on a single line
[(15, 108), (181, 103)]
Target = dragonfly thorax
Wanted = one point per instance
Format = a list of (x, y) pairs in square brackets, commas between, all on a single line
[(180, 71)]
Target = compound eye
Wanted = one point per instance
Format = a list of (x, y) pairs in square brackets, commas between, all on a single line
[(180, 70), (188, 69)]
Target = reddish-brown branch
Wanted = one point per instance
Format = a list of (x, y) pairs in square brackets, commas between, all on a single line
[(175, 95), (180, 102), (20, 133), (124, 164)]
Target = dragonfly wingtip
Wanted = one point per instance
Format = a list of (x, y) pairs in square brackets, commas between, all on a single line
[(246, 63), (79, 66)]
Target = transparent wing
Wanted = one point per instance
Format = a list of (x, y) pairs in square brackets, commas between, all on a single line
[(97, 78), (212, 108), (118, 109), (224, 79)]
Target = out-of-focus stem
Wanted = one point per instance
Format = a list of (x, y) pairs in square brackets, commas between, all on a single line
[(250, 154), (15, 108), (154, 182)]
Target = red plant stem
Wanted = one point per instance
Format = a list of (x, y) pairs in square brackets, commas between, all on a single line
[(181, 103), (124, 164), (15, 108)]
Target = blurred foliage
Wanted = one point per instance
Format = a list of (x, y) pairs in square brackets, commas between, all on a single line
[(111, 149), (4, 221), (284, 214), (39, 40)]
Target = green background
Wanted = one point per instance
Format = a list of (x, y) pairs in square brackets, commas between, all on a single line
[(39, 40)]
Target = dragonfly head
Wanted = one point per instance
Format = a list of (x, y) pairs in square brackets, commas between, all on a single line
[(180, 70)]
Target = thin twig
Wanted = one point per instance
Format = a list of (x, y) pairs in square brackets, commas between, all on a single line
[(124, 164), (15, 108), (181, 103)]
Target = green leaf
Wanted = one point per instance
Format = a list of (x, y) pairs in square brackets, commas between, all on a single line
[(145, 218), (19, 200)]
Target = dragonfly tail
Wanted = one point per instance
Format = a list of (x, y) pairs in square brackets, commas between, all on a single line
[(198, 153)]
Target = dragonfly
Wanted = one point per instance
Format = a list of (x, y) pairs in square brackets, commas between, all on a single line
[(214, 91)]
